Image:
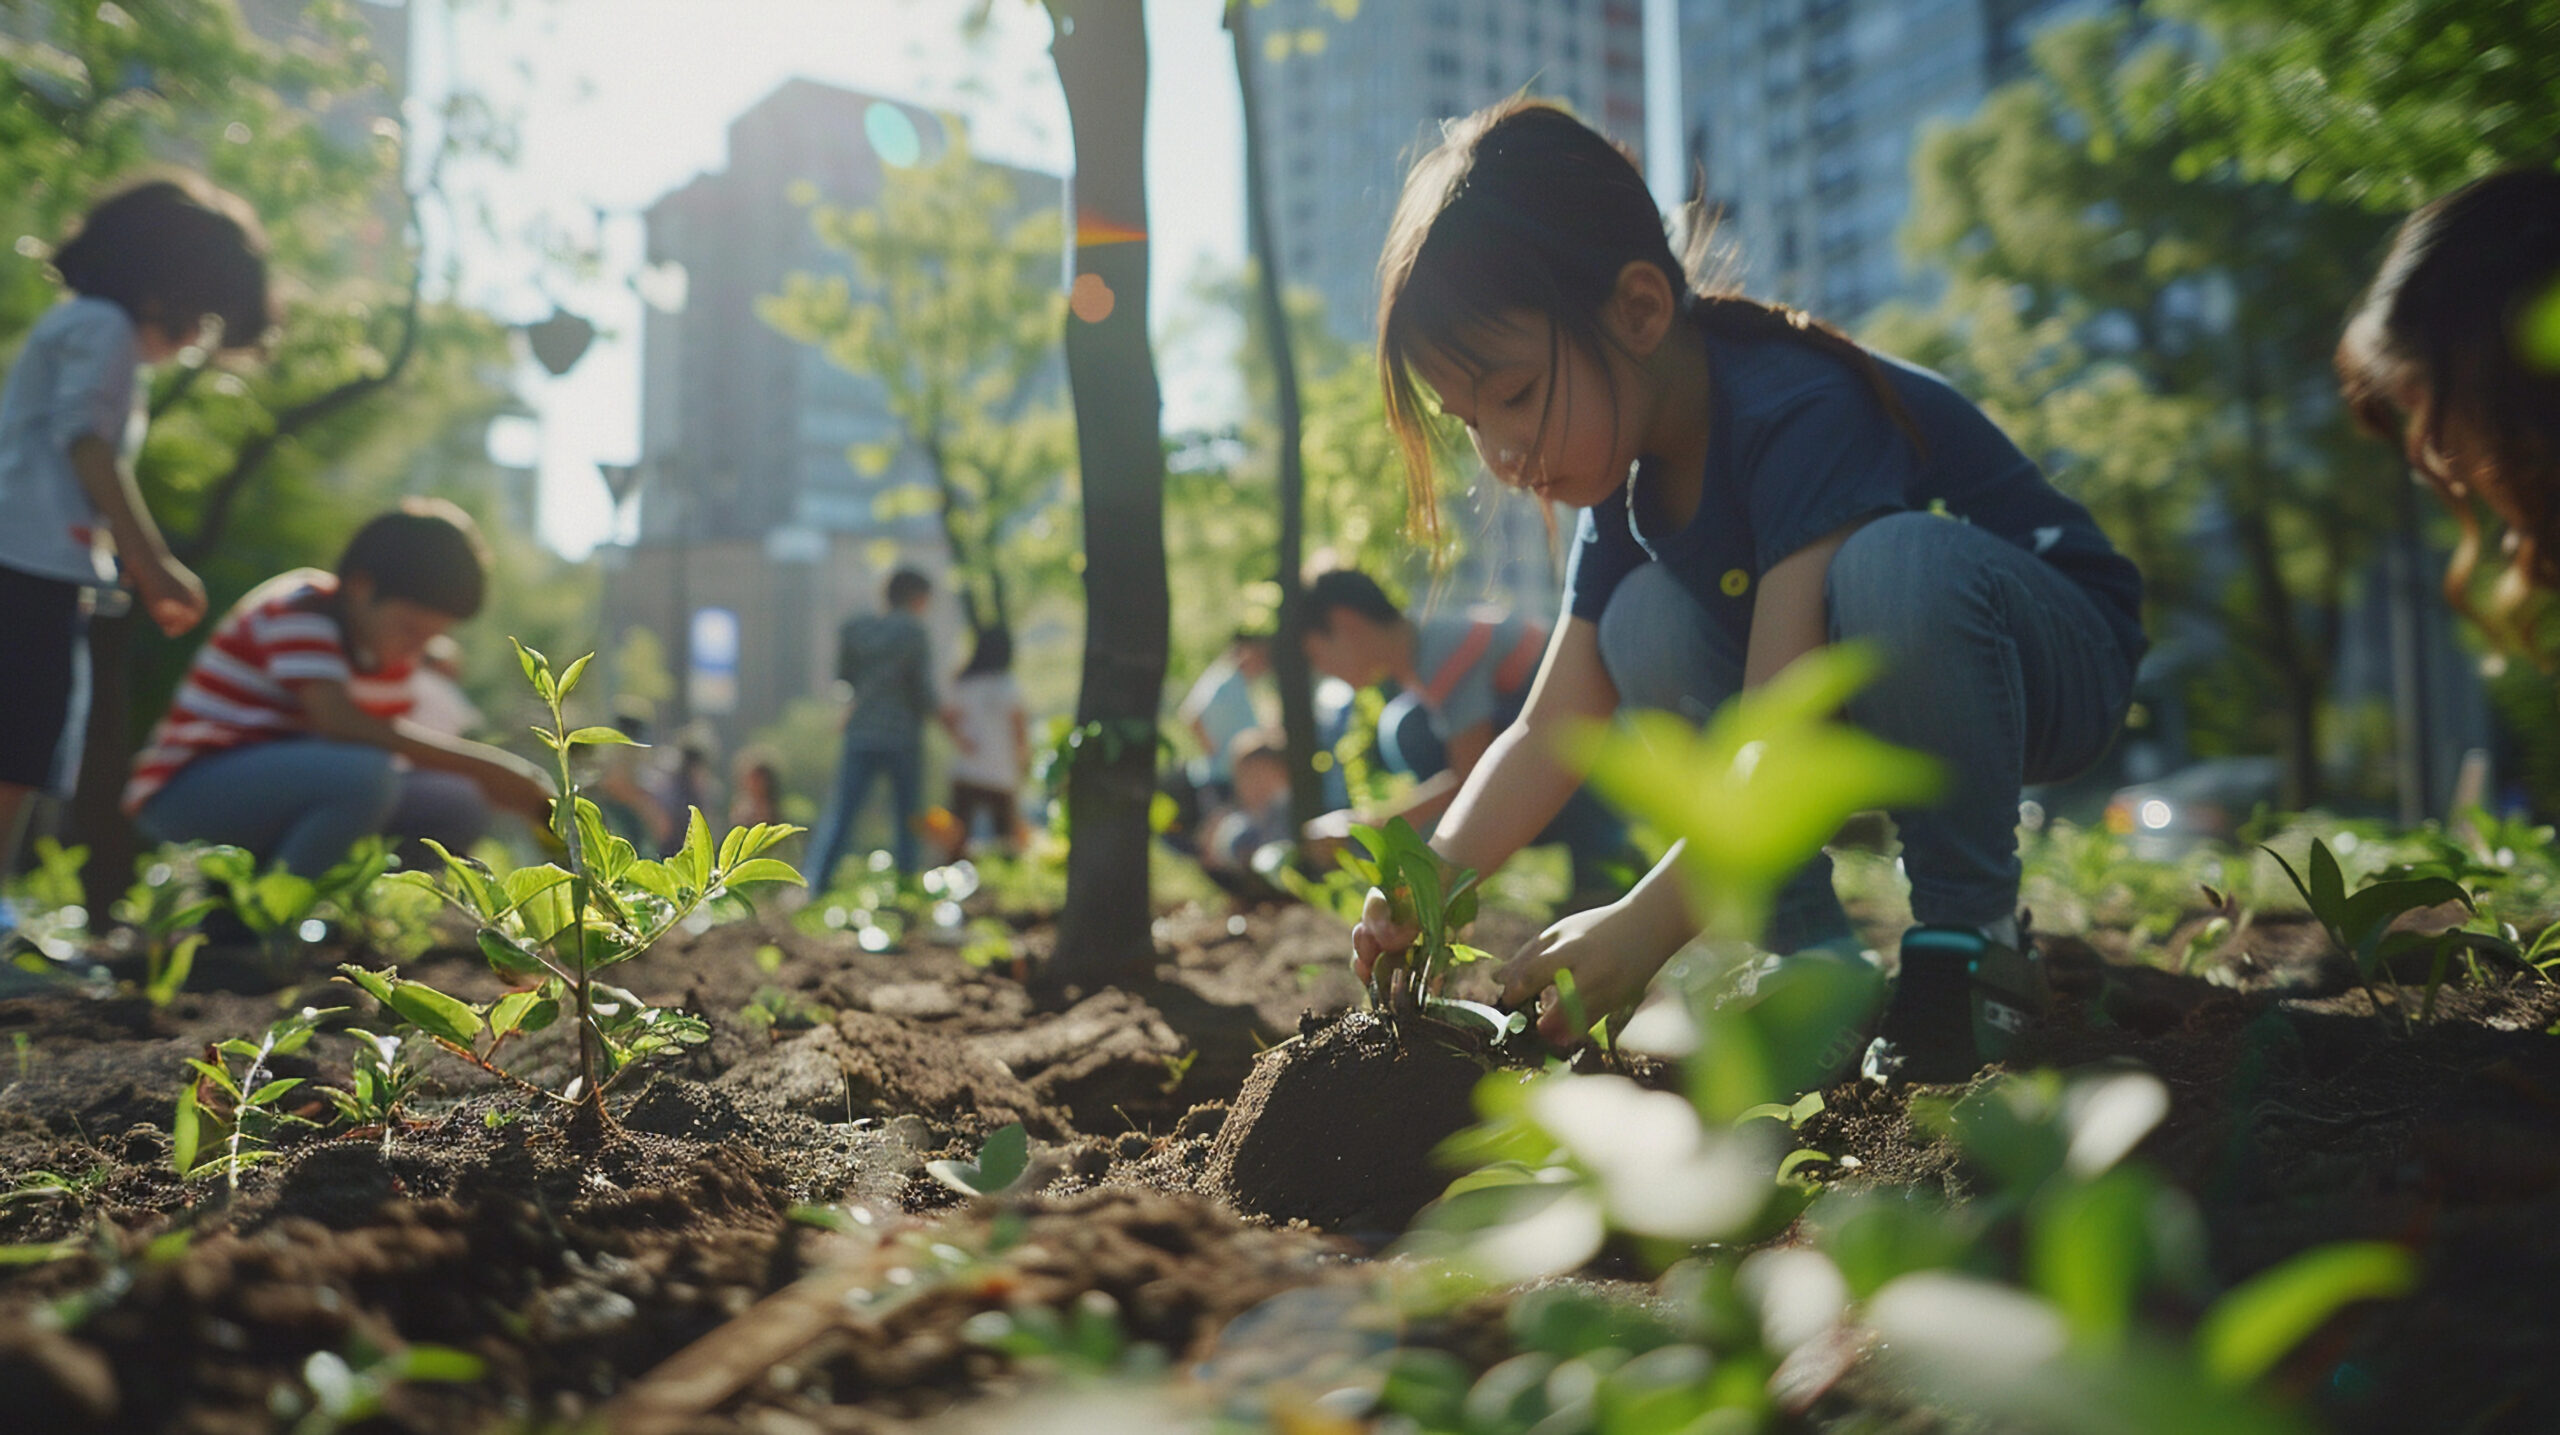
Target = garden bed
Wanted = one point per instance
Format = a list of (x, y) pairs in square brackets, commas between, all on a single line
[(757, 1247)]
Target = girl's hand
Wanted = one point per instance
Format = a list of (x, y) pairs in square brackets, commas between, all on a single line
[(523, 792), (1612, 951), (1378, 935), (171, 593)]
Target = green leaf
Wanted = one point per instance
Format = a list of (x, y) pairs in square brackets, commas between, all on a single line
[(537, 668), (216, 1075), (507, 1013), (2371, 910), (435, 1013), (763, 869), (509, 955), (569, 680), (372, 984), (272, 1090), (603, 737), (1005, 1156), (653, 878), (185, 1131), (2328, 887), (174, 972), (2254, 1326), (2088, 1248)]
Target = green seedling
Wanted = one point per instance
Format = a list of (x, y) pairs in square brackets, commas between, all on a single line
[(2360, 922), (348, 1390), (989, 943), (1000, 1163), (248, 1114), (1175, 1069), (164, 906), (381, 1078), (555, 927), (52, 924), (773, 1010), (1085, 1342), (279, 907), (1437, 903)]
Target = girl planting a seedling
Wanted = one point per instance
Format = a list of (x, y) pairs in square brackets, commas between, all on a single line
[(1753, 485), (2455, 351)]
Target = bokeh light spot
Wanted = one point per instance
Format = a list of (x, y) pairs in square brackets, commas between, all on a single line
[(892, 134), (1091, 299)]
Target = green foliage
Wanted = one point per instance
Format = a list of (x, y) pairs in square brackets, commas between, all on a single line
[(1764, 784), (2027, 1306), (556, 927), (1001, 1162), (953, 309), (381, 1078), (2158, 336), (166, 900), (52, 923), (1438, 902), (2361, 922), (348, 1390), (275, 904), (2384, 103), (231, 1102)]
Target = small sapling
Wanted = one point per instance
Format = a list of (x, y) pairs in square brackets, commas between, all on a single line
[(556, 927)]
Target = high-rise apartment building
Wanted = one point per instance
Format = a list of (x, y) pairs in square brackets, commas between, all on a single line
[(1802, 116), (757, 532), (1347, 104)]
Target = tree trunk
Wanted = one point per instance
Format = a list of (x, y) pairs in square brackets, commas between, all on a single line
[(1105, 930), (2297, 680), (1288, 654)]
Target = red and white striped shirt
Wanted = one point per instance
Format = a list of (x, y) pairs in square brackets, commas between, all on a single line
[(238, 690)]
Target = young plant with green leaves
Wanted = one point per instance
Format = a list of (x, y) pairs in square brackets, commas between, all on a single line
[(164, 906), (229, 1115), (380, 1079), (280, 907), (1438, 903), (2361, 922), (558, 926), (2026, 1304)]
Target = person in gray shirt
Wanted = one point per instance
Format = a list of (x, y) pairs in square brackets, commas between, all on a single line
[(887, 659)]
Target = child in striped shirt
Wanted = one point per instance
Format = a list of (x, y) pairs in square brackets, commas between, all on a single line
[(289, 736)]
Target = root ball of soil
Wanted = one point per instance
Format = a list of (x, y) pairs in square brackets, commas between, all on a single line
[(1336, 1128)]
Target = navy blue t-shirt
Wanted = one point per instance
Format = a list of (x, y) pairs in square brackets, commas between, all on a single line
[(1799, 446)]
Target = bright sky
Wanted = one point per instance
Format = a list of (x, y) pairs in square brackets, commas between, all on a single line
[(619, 101)]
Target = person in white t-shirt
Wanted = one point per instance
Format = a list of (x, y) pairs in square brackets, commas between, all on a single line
[(160, 271), (992, 731)]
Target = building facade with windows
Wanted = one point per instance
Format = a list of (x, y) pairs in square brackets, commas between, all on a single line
[(1802, 117), (756, 532)]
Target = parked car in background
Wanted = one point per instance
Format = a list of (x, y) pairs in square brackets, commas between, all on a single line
[(2202, 802)]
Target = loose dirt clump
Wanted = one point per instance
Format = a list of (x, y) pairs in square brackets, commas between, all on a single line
[(1336, 1128)]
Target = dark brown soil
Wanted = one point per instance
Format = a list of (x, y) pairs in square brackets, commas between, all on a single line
[(1337, 1127), (1186, 1135)]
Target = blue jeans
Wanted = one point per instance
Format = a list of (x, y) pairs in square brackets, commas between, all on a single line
[(864, 760), (1994, 663), (1592, 835), (304, 801)]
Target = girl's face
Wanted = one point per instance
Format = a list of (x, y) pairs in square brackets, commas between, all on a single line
[(1545, 416)]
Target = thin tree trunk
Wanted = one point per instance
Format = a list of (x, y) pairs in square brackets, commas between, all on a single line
[(1288, 653), (2297, 683), (1105, 929)]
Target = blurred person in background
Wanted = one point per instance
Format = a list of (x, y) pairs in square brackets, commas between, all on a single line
[(2454, 353), (992, 731), (436, 700), (887, 659)]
